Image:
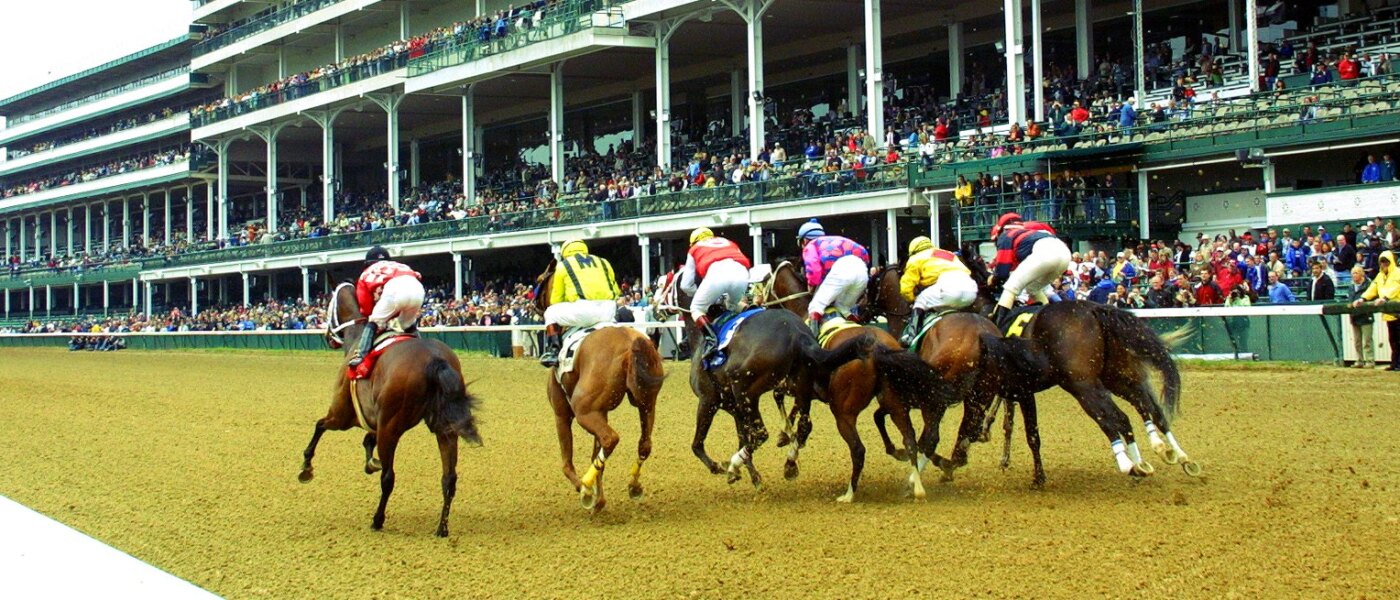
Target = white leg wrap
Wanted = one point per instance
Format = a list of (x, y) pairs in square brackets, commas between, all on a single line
[(792, 453), (1154, 437), (1120, 454), (739, 458), (1171, 439), (1134, 454), (923, 462)]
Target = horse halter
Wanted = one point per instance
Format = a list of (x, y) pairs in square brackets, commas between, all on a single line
[(334, 327)]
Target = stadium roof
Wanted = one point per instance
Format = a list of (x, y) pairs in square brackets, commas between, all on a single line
[(101, 77)]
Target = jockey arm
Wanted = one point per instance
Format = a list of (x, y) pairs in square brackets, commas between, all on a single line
[(812, 264), (557, 283), (909, 281), (689, 278), (612, 280), (1005, 257)]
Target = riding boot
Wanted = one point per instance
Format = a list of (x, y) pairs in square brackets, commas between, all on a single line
[(815, 321), (1001, 316), (366, 344), (912, 328), (553, 341), (709, 340)]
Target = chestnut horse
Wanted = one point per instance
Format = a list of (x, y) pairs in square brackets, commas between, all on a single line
[(1094, 352), (413, 380), (898, 379), (610, 363)]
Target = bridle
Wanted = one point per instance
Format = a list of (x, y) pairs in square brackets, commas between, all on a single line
[(766, 287), (334, 328), (873, 297)]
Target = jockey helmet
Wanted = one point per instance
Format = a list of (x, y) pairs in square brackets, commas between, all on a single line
[(810, 230), (573, 247), (375, 255), (1005, 220), (700, 233), (919, 244)]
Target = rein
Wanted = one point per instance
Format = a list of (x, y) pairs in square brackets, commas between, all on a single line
[(771, 280), (874, 301), (333, 332)]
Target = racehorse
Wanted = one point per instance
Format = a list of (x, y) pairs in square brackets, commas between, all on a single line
[(1093, 352), (414, 380), (898, 379), (610, 363)]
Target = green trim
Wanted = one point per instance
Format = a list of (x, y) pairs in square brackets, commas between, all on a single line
[(166, 45), (110, 145), (186, 174), (40, 279), (1339, 188), (74, 117)]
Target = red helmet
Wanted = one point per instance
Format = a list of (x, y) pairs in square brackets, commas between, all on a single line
[(1005, 220)]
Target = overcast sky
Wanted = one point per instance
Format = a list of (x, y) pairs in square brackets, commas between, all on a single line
[(43, 40)]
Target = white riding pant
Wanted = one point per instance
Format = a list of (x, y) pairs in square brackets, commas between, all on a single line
[(952, 290), (727, 281), (580, 313), (1048, 260), (400, 301), (842, 287)]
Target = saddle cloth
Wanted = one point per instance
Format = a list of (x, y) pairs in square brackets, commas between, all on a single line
[(832, 326), (1019, 317), (381, 343), (726, 326), (568, 347), (929, 322)]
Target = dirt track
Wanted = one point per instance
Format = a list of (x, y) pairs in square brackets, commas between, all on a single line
[(184, 461)]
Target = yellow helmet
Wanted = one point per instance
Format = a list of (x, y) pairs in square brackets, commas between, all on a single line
[(919, 244), (573, 247), (700, 233)]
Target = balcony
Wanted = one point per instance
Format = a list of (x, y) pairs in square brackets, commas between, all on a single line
[(1081, 214), (66, 277), (1331, 205), (177, 123), (270, 27), (105, 185), (351, 82), (150, 88)]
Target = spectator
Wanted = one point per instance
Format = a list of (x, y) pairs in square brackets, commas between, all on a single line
[(1257, 275), (1321, 289), (1278, 292), (1185, 297), (1387, 168), (1208, 293), (1371, 173), (1385, 287), (1102, 290), (1369, 257), (1362, 326), (1344, 257), (1158, 296)]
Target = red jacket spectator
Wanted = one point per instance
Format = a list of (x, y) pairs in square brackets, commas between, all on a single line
[(1348, 68), (940, 131), (1079, 114)]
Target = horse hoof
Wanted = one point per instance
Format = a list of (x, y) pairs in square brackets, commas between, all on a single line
[(734, 478), (900, 455), (1146, 467), (846, 498), (442, 531), (377, 525), (588, 499), (790, 470), (784, 439), (1038, 483), (1191, 468), (947, 477), (373, 467), (305, 476), (635, 491), (1138, 472), (1005, 464)]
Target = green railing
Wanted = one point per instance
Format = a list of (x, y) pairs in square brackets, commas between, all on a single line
[(495, 343), (260, 24), (1076, 213), (144, 81), (558, 20), (784, 189), (65, 277), (257, 101)]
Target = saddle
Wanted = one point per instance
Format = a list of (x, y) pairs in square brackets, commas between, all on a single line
[(569, 345), (381, 343), (725, 326), (833, 325)]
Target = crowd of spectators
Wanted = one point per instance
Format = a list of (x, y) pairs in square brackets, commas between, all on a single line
[(92, 132), (144, 161)]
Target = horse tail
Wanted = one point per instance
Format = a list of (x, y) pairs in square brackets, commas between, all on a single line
[(908, 375), (646, 372), (825, 361), (450, 406), (1127, 333), (1010, 357)]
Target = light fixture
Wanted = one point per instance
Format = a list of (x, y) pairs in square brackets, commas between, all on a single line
[(757, 96)]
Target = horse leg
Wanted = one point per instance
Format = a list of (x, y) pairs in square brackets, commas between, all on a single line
[(1096, 401), (802, 410), (340, 417), (1158, 427), (388, 442), (1007, 428), (989, 419), (846, 426), (899, 454), (647, 414), (927, 450), (704, 418), (900, 416), (971, 427), (306, 471), (564, 428), (1029, 415), (753, 435), (447, 447), (372, 465), (605, 440), (785, 436)]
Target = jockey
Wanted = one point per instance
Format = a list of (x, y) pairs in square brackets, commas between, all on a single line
[(939, 279), (837, 271), (722, 272), (388, 293), (582, 293), (1029, 258)]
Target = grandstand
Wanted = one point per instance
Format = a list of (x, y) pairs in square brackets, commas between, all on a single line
[(258, 156)]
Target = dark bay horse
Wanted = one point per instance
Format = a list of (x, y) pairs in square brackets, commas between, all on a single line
[(899, 380), (610, 363), (1094, 352), (414, 380)]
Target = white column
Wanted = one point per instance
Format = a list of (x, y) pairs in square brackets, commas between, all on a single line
[(736, 103), (874, 74), (210, 211), (1251, 17), (106, 296), (1083, 39), (874, 242), (38, 236), (755, 66), (645, 243), (663, 95), (853, 79), (892, 231), (469, 144), (1142, 204), (106, 226), (414, 164), (189, 213), (53, 233), (933, 216), (23, 241), (456, 275), (9, 251), (7, 296), (87, 229), (1015, 63), (147, 299), (48, 300), (246, 300), (339, 42), (1038, 55), (1270, 179), (167, 215), (955, 59), (390, 103), (146, 219), (556, 122), (135, 293), (639, 123), (328, 180), (1234, 31), (31, 302), (1140, 56), (271, 189), (756, 234), (305, 285), (224, 147), (194, 297), (404, 30), (68, 239)]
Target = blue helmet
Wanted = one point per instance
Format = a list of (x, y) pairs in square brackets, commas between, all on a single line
[(810, 230)]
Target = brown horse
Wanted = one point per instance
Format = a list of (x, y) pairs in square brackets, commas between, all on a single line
[(1095, 352), (414, 380), (611, 362), (896, 378)]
